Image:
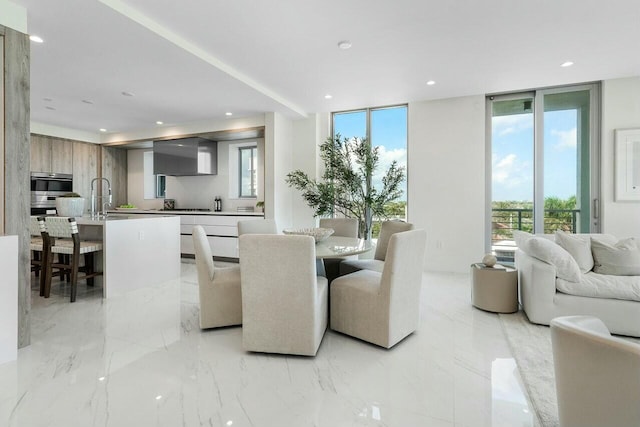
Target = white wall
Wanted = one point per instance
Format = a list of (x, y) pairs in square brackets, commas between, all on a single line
[(620, 110), (13, 16), (135, 181), (446, 155), (278, 163), (308, 134)]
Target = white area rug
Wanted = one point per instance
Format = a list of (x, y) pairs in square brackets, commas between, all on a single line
[(531, 347)]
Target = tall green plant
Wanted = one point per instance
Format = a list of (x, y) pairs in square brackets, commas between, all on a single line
[(346, 187)]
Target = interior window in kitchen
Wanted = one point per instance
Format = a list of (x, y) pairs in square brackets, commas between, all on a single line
[(248, 159)]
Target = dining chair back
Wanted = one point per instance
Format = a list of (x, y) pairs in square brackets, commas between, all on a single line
[(382, 307), (343, 227), (597, 376), (257, 226), (284, 302), (218, 288), (387, 229)]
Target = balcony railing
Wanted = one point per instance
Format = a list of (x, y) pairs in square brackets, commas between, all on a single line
[(505, 221)]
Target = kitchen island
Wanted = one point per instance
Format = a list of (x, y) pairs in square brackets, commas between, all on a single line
[(221, 228), (138, 250)]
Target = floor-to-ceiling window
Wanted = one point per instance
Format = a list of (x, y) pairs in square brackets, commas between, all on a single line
[(544, 163), (386, 128)]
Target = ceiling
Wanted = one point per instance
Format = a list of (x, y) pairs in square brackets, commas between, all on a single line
[(195, 60)]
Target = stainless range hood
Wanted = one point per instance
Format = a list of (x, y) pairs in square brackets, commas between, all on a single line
[(185, 157)]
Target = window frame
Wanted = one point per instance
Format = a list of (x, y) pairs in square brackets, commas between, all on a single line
[(254, 171)]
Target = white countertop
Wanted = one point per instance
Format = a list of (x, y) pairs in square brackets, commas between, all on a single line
[(179, 212)]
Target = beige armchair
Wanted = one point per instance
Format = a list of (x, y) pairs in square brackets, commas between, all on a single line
[(343, 227), (219, 288), (284, 303), (597, 375), (388, 229), (382, 308), (257, 226)]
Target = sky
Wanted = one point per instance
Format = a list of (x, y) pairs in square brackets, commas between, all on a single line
[(512, 156), (388, 131)]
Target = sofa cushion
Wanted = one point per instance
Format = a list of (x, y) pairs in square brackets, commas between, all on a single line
[(596, 285), (621, 259), (550, 252), (579, 246)]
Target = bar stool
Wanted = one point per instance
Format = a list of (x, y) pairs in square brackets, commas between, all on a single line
[(62, 238), (36, 246)]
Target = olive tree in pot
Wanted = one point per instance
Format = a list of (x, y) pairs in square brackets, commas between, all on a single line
[(70, 204), (347, 186)]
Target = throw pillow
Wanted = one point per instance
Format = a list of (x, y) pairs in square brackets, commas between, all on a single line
[(520, 237), (549, 252), (621, 259), (579, 247)]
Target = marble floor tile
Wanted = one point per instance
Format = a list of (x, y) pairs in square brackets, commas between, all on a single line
[(141, 360)]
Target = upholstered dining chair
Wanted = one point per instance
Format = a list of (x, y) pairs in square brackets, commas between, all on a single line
[(387, 229), (342, 227), (284, 302), (219, 288), (62, 238), (257, 226), (382, 308), (597, 375)]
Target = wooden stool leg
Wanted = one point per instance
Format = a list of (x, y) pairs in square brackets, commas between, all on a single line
[(88, 267), (75, 260), (37, 258), (43, 272), (47, 275)]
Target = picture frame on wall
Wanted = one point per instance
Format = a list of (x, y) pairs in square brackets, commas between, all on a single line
[(627, 165)]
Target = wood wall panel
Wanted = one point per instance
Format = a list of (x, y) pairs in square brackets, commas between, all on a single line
[(40, 153), (85, 168), (17, 164), (62, 156), (114, 168)]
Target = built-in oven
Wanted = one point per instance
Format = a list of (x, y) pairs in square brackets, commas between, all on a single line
[(45, 187)]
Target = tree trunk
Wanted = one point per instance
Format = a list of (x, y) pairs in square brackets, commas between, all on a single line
[(368, 221)]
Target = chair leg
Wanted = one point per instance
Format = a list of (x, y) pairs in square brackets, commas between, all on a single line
[(43, 272), (45, 283), (75, 260), (88, 267), (37, 258)]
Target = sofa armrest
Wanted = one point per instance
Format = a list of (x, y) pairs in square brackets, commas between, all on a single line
[(537, 280)]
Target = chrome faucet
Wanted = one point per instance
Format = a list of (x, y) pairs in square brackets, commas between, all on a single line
[(94, 199)]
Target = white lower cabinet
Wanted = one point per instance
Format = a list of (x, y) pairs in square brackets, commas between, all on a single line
[(222, 233)]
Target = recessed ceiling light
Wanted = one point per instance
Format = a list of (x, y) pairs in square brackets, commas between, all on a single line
[(103, 130), (159, 122), (86, 101), (566, 64), (36, 39), (431, 82), (344, 44), (327, 96), (125, 93), (48, 107), (47, 99), (228, 113)]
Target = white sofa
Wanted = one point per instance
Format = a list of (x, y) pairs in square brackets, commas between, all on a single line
[(542, 301)]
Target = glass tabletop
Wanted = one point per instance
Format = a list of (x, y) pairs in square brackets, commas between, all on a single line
[(337, 246)]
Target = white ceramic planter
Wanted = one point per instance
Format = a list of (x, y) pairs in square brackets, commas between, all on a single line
[(70, 206)]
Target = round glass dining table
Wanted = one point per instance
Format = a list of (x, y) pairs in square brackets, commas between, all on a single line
[(336, 247)]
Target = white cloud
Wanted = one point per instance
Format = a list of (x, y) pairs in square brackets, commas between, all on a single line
[(505, 125), (385, 159), (565, 139), (510, 172)]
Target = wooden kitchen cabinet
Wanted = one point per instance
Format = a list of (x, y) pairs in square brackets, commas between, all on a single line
[(85, 167), (51, 155), (114, 168)]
